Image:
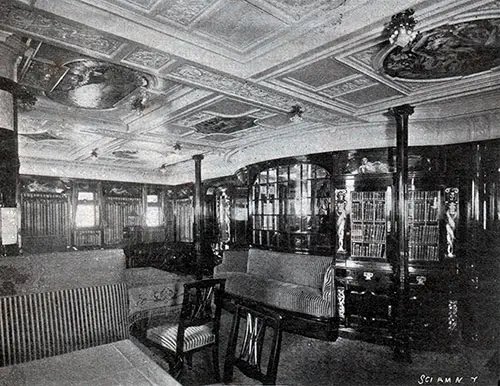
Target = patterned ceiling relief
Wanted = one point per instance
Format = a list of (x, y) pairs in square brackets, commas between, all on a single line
[(300, 8), (224, 125), (146, 4), (147, 58), (348, 86), (448, 51), (252, 92), (183, 11), (193, 119), (53, 28), (95, 85), (225, 24)]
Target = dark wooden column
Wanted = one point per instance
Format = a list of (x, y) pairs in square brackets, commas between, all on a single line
[(11, 48), (401, 335), (198, 213)]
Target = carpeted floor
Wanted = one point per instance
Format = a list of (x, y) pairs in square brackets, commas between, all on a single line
[(306, 361)]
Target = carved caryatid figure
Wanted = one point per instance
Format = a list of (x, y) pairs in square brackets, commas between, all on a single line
[(451, 201), (341, 212)]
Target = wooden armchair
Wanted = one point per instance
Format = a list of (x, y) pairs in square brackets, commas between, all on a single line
[(197, 328), (249, 358)]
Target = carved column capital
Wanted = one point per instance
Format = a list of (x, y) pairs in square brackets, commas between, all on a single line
[(403, 110), (198, 157)]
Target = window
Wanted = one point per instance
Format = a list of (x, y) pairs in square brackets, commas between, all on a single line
[(291, 208), (153, 211), (87, 210)]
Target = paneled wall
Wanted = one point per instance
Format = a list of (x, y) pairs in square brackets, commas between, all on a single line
[(45, 221), (116, 213), (58, 214)]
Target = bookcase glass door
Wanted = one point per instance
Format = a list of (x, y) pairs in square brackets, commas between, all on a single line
[(291, 208), (368, 224), (423, 222)]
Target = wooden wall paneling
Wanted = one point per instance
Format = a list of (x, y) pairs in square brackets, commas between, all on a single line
[(44, 222)]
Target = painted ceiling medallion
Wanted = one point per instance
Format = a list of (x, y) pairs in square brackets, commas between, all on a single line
[(221, 125), (95, 85), (447, 51)]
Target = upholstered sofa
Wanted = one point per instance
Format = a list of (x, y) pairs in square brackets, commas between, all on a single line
[(296, 285)]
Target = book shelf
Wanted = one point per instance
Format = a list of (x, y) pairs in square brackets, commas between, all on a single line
[(368, 224), (423, 222)]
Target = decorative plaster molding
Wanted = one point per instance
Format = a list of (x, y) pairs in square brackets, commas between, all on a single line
[(184, 11), (250, 91), (52, 28), (192, 120), (298, 9), (366, 56), (145, 4), (147, 58), (493, 6), (349, 86)]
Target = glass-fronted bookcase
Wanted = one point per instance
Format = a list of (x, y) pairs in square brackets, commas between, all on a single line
[(291, 208)]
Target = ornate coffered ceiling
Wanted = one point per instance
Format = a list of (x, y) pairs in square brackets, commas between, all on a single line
[(145, 83)]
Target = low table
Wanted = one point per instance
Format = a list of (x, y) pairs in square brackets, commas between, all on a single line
[(118, 363)]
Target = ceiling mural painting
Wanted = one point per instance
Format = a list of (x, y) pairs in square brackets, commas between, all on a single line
[(96, 85), (447, 51), (223, 125)]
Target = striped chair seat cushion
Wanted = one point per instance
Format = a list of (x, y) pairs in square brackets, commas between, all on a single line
[(287, 296), (194, 337)]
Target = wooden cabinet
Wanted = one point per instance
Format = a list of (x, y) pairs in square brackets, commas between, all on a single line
[(369, 278)]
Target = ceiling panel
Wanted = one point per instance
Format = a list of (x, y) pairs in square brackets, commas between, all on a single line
[(238, 23), (322, 72), (370, 95)]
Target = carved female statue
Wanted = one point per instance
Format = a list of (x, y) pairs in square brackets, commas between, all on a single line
[(340, 209)]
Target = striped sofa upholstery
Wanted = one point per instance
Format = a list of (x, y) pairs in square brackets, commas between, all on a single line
[(38, 325), (287, 281)]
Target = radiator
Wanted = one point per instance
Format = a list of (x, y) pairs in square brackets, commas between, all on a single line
[(39, 325), (87, 238)]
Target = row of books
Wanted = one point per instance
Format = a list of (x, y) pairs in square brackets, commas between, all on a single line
[(423, 211), (362, 196), (423, 195), (367, 250), (424, 234), (368, 232), (368, 211), (424, 252)]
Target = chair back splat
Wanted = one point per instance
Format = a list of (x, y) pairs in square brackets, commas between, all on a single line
[(197, 328), (248, 358)]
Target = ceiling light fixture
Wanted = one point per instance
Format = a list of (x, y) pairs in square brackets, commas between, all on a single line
[(93, 153), (163, 169), (400, 29), (295, 114), (177, 147)]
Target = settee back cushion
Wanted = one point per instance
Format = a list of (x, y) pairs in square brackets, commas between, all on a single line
[(293, 268), (39, 325)]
